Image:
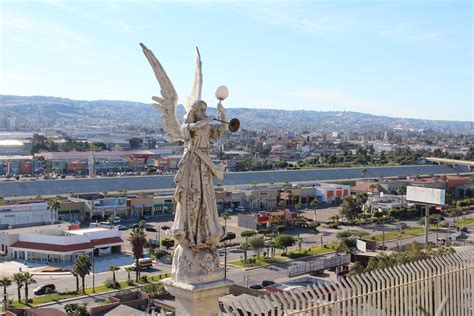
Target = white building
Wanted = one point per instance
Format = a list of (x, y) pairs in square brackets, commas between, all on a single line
[(328, 192), (64, 248), (20, 215)]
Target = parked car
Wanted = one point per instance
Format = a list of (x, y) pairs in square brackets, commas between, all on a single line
[(121, 227), (380, 247), (266, 283), (117, 220), (229, 210), (44, 289), (150, 228), (256, 286), (136, 225), (240, 209)]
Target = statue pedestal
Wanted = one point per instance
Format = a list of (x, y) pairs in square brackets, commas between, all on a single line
[(197, 299)]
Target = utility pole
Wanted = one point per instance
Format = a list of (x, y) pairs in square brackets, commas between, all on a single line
[(93, 271), (427, 223)]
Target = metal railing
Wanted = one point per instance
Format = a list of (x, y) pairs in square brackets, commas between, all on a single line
[(439, 286)]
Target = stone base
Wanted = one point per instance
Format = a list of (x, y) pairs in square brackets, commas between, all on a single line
[(196, 266), (197, 299)]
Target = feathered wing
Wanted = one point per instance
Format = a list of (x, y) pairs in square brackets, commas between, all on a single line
[(168, 102), (197, 86)]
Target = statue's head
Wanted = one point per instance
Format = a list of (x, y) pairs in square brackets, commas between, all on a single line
[(197, 112)]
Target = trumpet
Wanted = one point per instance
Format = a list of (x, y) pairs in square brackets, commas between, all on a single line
[(234, 124)]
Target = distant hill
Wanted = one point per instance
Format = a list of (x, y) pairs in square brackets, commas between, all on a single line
[(40, 111)]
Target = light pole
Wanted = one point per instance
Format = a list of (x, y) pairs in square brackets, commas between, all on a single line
[(93, 271)]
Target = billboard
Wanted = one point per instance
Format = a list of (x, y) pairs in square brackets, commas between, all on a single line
[(425, 195)]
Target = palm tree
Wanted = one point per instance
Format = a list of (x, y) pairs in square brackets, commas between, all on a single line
[(82, 266), (225, 216), (114, 268), (372, 187), (76, 275), (128, 269), (138, 241), (5, 282), (314, 203), (379, 188), (18, 279), (53, 205), (401, 190), (27, 279)]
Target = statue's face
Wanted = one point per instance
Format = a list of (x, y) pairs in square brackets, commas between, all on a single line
[(199, 114)]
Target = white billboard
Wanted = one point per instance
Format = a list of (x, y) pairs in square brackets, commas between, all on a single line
[(426, 195)]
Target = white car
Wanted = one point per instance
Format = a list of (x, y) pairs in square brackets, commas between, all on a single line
[(229, 210), (240, 209)]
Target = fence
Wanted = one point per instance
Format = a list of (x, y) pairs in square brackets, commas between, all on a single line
[(440, 286)]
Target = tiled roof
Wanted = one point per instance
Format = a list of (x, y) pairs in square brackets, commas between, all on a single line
[(52, 247), (106, 241)]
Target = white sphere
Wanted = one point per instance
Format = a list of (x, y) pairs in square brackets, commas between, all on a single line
[(222, 93)]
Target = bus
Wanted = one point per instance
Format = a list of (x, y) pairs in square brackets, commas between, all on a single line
[(145, 263)]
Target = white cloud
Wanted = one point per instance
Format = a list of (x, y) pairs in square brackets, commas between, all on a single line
[(41, 28)]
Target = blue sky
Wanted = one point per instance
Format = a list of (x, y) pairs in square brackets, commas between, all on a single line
[(397, 58)]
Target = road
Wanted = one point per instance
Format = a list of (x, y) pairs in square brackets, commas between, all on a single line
[(144, 183), (241, 276)]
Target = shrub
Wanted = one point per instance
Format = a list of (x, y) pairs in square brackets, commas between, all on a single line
[(68, 293), (161, 253), (109, 283), (144, 279)]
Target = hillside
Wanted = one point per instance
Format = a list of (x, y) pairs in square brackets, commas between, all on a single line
[(38, 112)]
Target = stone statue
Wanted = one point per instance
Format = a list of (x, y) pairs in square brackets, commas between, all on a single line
[(196, 225)]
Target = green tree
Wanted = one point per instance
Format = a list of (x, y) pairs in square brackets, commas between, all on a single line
[(280, 228), (245, 246), (356, 268), (114, 268), (225, 216), (19, 279), (76, 275), (167, 243), (284, 241), (82, 266), (138, 241), (75, 309), (5, 282), (257, 243), (27, 280), (129, 269), (247, 234), (53, 205)]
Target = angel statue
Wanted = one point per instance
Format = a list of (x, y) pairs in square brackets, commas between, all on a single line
[(196, 225)]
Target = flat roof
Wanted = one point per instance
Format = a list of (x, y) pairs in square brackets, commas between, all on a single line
[(86, 230)]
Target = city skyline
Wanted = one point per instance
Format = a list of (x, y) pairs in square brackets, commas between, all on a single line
[(400, 59)]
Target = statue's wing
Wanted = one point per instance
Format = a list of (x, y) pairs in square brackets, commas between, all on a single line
[(197, 87), (168, 102)]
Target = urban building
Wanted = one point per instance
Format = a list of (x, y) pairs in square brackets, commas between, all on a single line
[(27, 214), (331, 193), (261, 220), (57, 246)]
